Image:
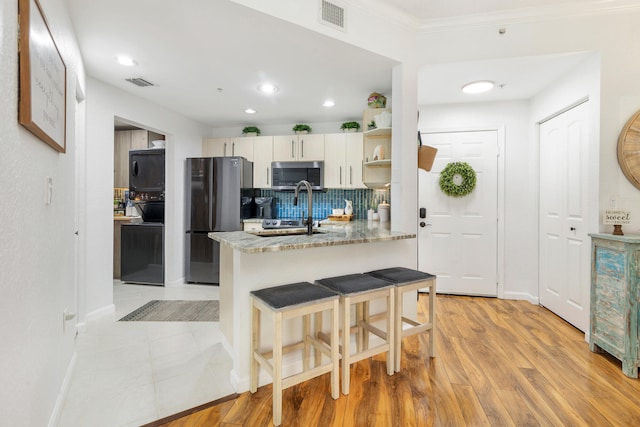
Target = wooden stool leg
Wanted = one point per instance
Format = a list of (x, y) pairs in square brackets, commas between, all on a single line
[(359, 330), (335, 354), (255, 345), (364, 332), (398, 327), (390, 330), (277, 368), (346, 326), (317, 328), (432, 318), (306, 330)]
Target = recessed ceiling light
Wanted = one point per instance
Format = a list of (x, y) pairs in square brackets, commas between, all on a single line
[(250, 111), (478, 87), (126, 61), (328, 103), (267, 88)]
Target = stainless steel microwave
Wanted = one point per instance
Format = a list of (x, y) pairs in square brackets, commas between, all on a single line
[(285, 175)]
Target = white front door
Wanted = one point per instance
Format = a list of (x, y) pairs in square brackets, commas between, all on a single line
[(564, 242), (459, 240)]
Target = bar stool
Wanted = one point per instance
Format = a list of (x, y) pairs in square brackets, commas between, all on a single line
[(360, 289), (406, 280), (288, 302)]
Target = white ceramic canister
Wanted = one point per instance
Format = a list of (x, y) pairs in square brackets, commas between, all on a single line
[(384, 210)]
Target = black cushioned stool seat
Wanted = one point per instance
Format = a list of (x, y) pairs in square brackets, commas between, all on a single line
[(406, 280), (360, 290), (296, 300)]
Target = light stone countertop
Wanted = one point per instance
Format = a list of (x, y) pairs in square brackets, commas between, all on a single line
[(329, 234)]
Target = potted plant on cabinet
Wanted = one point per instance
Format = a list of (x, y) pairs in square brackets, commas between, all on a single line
[(251, 131), (350, 126), (302, 128)]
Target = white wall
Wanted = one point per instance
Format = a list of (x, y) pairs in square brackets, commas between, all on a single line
[(184, 139), (607, 34), (38, 244)]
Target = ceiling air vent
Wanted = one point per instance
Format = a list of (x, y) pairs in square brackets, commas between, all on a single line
[(332, 14), (139, 81)]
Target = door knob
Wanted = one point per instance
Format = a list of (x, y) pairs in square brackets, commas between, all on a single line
[(423, 224), (573, 229)]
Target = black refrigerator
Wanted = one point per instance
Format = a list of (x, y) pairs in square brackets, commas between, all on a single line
[(219, 196)]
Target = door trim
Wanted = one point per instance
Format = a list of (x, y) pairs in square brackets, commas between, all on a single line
[(500, 243)]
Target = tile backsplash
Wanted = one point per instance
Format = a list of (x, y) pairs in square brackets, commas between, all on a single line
[(324, 202)]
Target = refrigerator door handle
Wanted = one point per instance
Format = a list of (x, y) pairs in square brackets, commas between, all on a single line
[(211, 192)]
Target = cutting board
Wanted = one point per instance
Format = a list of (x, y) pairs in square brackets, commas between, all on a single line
[(340, 217)]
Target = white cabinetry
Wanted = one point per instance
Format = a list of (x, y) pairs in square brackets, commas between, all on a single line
[(262, 158), (298, 147), (214, 147), (222, 147), (343, 160), (123, 141)]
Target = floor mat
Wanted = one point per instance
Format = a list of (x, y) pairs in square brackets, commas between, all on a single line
[(176, 311)]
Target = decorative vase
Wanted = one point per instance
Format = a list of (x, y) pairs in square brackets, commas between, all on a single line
[(348, 207), (302, 132), (251, 134)]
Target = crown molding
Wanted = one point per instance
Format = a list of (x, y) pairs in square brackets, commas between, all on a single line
[(530, 14), (390, 13)]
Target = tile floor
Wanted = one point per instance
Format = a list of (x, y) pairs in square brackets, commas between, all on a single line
[(132, 373)]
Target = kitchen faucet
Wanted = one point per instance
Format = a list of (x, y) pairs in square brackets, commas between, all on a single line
[(309, 221)]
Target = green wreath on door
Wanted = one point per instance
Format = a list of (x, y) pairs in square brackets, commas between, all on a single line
[(457, 179)]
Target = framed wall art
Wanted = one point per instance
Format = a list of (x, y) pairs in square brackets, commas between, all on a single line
[(42, 103)]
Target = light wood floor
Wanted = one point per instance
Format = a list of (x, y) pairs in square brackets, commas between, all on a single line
[(499, 363)]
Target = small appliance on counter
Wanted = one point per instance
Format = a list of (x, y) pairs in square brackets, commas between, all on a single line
[(265, 207)]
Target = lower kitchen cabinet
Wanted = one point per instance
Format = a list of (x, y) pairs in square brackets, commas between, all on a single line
[(615, 297)]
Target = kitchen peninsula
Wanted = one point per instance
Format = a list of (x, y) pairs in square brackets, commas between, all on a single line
[(249, 262)]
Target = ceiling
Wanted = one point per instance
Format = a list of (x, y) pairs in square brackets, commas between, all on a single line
[(206, 59)]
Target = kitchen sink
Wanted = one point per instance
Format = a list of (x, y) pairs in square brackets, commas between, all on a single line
[(278, 232)]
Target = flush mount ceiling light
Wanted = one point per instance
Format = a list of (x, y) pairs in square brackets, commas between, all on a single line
[(328, 103), (478, 87), (267, 88), (126, 61), (250, 111)]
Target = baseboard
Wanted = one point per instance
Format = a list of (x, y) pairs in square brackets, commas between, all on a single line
[(62, 395), (175, 283), (522, 296), (108, 310)]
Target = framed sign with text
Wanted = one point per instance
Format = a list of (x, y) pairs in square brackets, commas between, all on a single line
[(42, 105)]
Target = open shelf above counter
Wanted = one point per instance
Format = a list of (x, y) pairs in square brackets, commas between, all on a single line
[(378, 132), (376, 145), (386, 163)]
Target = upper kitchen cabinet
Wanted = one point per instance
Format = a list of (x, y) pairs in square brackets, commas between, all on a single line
[(343, 160), (298, 147), (125, 140), (262, 158), (376, 169), (223, 147)]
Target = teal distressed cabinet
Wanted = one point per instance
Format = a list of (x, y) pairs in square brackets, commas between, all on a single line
[(615, 297)]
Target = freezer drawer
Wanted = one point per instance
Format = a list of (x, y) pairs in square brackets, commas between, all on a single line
[(142, 253), (202, 259)]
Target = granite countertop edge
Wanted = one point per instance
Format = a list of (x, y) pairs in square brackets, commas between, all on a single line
[(353, 232)]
